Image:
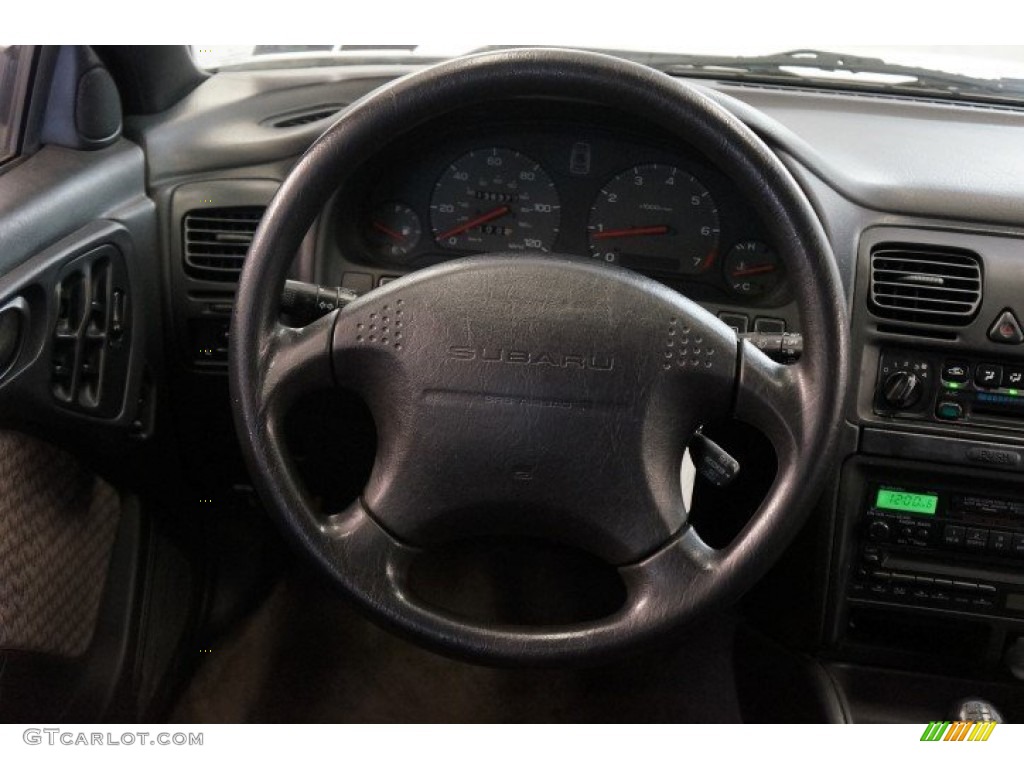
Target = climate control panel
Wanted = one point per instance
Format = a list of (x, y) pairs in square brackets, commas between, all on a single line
[(950, 388)]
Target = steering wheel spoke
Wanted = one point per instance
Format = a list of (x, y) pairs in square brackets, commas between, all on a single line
[(295, 361), (772, 397)]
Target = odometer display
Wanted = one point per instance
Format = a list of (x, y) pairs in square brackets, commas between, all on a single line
[(905, 501), (495, 200), (655, 217)]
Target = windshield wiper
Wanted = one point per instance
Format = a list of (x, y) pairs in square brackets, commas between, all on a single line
[(857, 73)]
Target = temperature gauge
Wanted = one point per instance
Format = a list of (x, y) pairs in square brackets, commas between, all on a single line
[(393, 231), (752, 268)]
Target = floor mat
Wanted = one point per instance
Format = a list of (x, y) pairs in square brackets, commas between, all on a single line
[(307, 656)]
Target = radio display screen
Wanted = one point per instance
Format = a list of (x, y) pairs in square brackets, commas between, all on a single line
[(905, 501)]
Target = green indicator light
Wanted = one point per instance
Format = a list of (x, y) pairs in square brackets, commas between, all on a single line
[(1014, 392), (904, 501), (952, 385)]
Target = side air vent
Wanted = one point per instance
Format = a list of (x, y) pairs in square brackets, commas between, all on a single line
[(305, 116), (925, 284), (217, 239)]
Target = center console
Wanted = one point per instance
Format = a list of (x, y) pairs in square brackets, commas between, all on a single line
[(928, 572)]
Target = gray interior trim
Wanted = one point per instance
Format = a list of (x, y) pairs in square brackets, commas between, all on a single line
[(65, 188)]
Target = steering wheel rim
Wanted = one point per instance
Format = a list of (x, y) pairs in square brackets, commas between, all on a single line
[(368, 553)]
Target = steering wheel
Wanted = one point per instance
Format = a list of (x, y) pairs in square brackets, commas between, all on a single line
[(534, 394)]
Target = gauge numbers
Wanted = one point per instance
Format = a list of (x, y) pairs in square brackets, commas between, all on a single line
[(495, 200), (655, 217)]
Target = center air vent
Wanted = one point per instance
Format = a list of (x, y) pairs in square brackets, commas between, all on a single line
[(217, 239), (925, 284)]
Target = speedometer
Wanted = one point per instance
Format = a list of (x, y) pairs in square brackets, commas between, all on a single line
[(655, 217), (495, 200)]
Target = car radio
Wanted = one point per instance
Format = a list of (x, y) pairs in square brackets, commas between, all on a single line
[(941, 546)]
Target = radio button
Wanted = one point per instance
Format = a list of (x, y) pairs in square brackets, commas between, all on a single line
[(999, 542), (956, 372), (953, 535), (968, 586), (988, 589), (926, 581), (940, 596), (988, 376), (871, 555), (879, 590), (1018, 544), (878, 530), (903, 578), (977, 538), (949, 410), (943, 583)]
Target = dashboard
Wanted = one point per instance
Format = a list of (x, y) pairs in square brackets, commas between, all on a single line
[(590, 185), (940, 194), (913, 560)]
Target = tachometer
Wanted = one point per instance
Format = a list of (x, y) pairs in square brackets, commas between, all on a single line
[(495, 200), (655, 217)]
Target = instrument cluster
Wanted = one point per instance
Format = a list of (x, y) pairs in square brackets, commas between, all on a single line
[(569, 188)]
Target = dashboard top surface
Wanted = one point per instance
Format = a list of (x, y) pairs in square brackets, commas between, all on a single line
[(906, 156)]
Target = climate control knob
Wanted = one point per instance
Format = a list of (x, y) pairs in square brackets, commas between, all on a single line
[(902, 389)]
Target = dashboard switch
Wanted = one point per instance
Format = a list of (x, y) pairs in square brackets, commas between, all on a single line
[(357, 282), (1006, 329), (1013, 378), (769, 325), (901, 389), (738, 322), (988, 376), (949, 410), (956, 372)]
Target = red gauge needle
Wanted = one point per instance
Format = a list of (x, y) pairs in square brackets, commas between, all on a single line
[(756, 270), (398, 236), (497, 213), (631, 232)]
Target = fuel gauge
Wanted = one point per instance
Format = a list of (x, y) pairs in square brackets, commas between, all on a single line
[(393, 230), (752, 268)]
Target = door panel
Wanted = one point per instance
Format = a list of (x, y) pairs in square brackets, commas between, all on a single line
[(80, 340)]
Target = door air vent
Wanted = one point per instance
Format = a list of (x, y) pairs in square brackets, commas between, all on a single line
[(217, 239), (925, 284), (305, 116)]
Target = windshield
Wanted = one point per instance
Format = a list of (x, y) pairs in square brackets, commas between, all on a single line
[(980, 73)]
